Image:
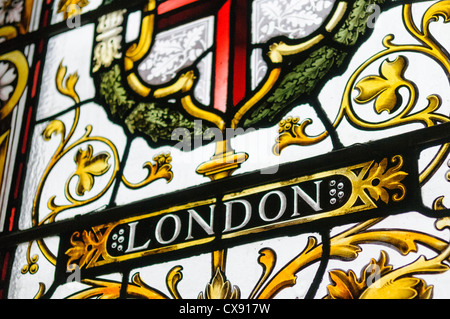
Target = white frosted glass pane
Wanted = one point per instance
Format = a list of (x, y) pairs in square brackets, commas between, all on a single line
[(259, 67), (202, 90), (41, 153), (183, 164), (73, 49), (133, 26), (438, 186), (259, 144), (13, 142), (35, 17)]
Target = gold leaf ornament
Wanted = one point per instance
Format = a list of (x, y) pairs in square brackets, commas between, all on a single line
[(82, 250), (384, 88), (67, 88), (402, 288), (161, 169), (380, 179), (69, 8), (55, 127), (220, 288), (89, 166), (293, 132), (347, 285), (400, 283)]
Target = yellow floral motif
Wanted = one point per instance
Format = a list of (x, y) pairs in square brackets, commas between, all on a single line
[(220, 288), (87, 247), (13, 79), (162, 159), (70, 8), (380, 179), (292, 132), (67, 88), (84, 249), (161, 169), (89, 166), (347, 285), (287, 124), (384, 88)]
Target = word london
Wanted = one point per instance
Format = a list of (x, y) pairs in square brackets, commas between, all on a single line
[(243, 215), (238, 214)]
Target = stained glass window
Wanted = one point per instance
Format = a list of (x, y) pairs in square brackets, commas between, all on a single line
[(224, 149)]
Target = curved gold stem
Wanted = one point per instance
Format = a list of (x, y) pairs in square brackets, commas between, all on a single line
[(8, 32), (435, 163), (20, 62), (67, 88), (268, 85), (173, 278), (287, 276), (106, 289), (267, 258), (219, 260), (60, 129), (190, 107), (422, 265)]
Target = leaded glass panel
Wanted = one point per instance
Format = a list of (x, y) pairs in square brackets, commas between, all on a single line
[(204, 149)]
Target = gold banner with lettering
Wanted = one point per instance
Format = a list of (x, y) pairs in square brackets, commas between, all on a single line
[(242, 214)]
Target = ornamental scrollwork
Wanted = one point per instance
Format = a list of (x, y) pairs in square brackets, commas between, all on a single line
[(89, 167), (387, 282), (378, 278), (382, 182), (346, 285), (13, 78), (162, 169), (373, 183), (382, 89), (378, 181), (220, 288)]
